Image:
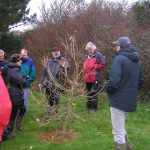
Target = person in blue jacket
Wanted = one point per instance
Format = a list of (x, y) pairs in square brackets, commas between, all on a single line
[(125, 77), (28, 71)]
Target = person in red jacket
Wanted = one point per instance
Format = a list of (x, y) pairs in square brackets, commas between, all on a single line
[(92, 67), (5, 107)]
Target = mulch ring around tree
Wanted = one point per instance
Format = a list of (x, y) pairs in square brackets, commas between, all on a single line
[(57, 136)]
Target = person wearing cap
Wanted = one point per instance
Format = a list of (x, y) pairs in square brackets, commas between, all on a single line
[(52, 74), (93, 65), (16, 84), (125, 77), (3, 66), (27, 70)]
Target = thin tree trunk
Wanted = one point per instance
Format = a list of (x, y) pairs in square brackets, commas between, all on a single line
[(68, 116)]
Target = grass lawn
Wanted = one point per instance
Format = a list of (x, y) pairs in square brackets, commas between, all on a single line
[(94, 133)]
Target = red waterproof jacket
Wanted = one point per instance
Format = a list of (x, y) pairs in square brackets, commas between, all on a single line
[(5, 103), (92, 66)]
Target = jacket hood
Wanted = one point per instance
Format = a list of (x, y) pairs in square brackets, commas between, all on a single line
[(131, 53), (13, 65)]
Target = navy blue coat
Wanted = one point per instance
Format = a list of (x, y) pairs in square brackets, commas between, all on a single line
[(125, 77)]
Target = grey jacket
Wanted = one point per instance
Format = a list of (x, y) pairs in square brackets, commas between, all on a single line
[(53, 71), (125, 77)]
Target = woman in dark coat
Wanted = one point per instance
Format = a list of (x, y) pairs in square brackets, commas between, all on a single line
[(16, 84)]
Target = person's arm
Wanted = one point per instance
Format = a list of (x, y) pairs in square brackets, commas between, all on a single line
[(114, 77), (44, 74), (100, 62), (32, 74)]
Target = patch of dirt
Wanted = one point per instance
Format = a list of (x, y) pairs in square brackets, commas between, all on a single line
[(57, 136)]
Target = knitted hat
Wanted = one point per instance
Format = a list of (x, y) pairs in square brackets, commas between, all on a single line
[(15, 58)]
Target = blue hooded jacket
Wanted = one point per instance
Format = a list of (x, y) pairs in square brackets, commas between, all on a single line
[(28, 70), (125, 76)]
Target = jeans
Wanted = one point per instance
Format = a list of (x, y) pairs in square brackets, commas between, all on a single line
[(23, 109), (26, 94), (118, 118)]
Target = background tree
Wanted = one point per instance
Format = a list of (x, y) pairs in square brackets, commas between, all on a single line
[(141, 12), (12, 12)]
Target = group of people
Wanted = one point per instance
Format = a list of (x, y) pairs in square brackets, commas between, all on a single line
[(18, 74), (125, 78)]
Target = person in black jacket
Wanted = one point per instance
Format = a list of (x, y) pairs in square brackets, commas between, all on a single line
[(3, 66), (16, 84), (124, 79)]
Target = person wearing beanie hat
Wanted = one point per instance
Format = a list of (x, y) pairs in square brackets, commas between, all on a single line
[(53, 73), (16, 84), (125, 77), (93, 65)]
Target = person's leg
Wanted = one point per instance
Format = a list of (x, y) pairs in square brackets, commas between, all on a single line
[(48, 92), (23, 109), (89, 94), (13, 116), (56, 96), (20, 116), (26, 95), (54, 100), (118, 125), (94, 94)]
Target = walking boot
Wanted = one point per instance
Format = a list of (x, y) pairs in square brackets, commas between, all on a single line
[(128, 146), (10, 126), (120, 146), (19, 123), (10, 129)]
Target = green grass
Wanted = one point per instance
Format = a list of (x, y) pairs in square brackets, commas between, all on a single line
[(94, 133)]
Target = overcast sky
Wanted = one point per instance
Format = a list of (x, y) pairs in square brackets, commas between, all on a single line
[(35, 5)]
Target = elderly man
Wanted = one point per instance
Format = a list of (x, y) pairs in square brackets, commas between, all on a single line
[(52, 74), (124, 79), (3, 66), (93, 66), (28, 71)]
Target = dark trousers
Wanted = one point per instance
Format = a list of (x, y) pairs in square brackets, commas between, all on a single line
[(53, 96), (92, 100), (13, 116)]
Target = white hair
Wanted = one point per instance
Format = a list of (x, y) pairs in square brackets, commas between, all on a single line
[(2, 52), (90, 45)]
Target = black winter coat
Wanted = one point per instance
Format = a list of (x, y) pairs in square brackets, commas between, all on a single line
[(125, 77), (16, 84)]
